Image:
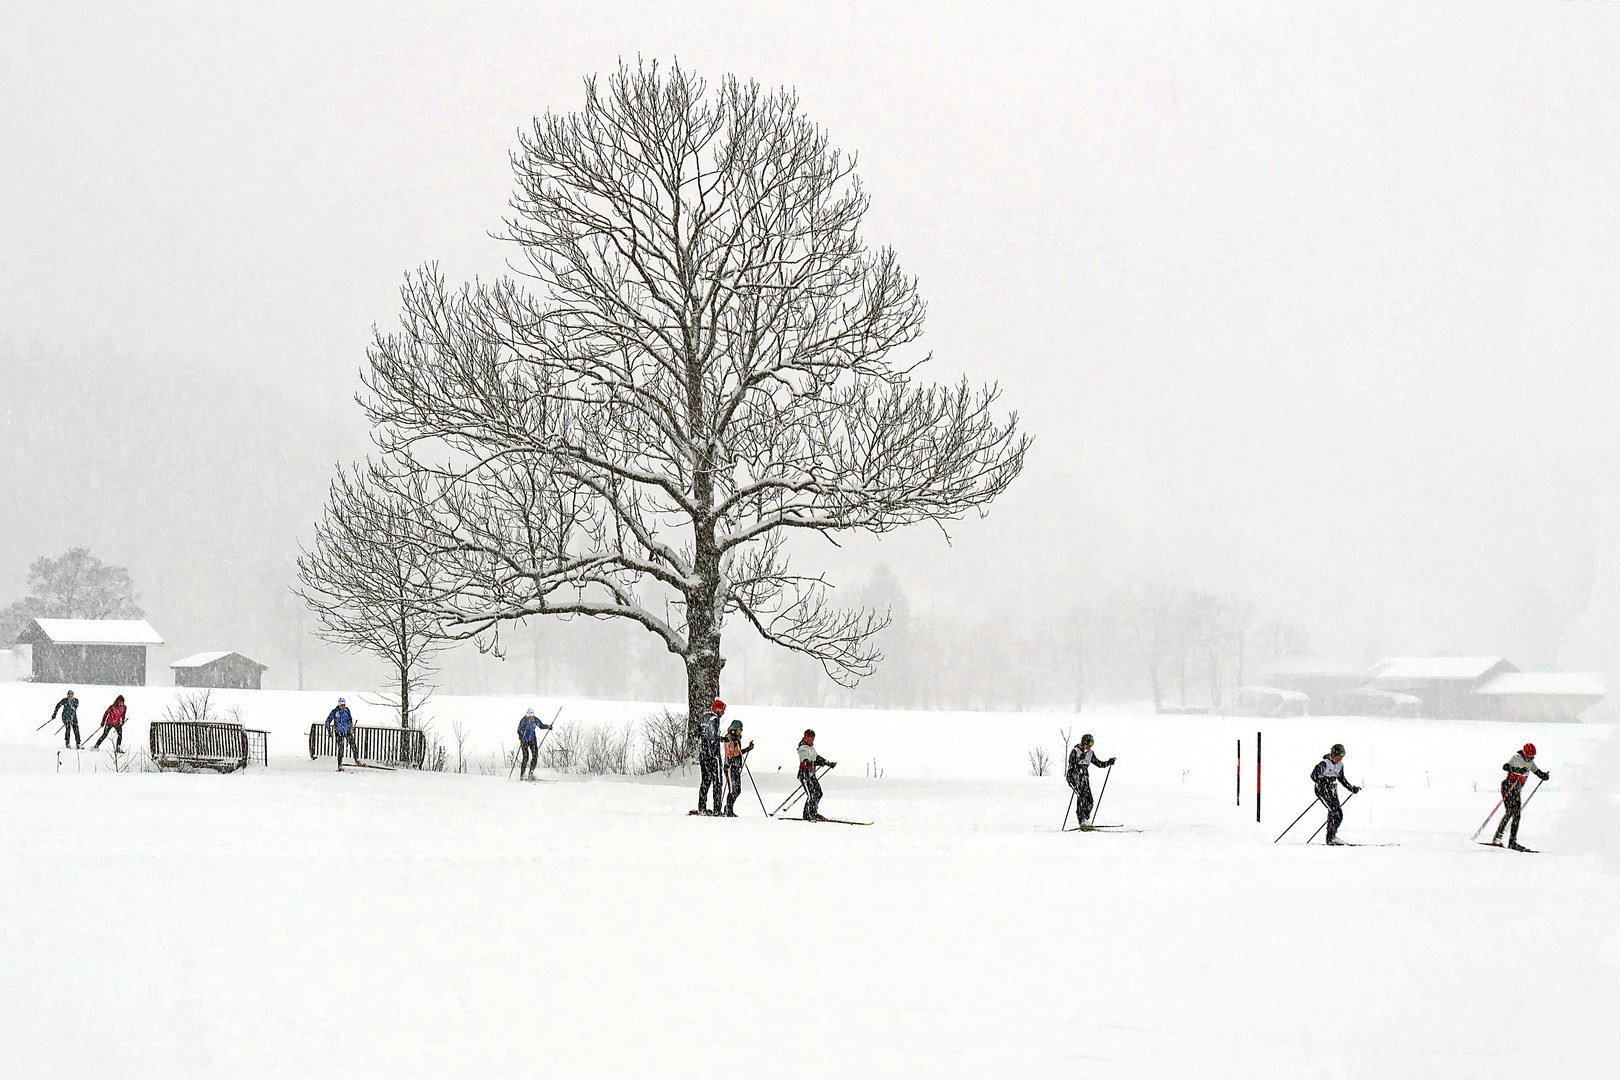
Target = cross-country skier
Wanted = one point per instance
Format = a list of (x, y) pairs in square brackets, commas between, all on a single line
[(112, 723), (69, 708), (734, 764), (1078, 774), (1329, 771), (709, 757), (529, 742), (340, 724), (809, 762), (1518, 769)]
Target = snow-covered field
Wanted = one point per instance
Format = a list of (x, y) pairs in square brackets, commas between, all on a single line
[(294, 922)]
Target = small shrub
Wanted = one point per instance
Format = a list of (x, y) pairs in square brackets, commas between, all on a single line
[(666, 742), (1040, 762)]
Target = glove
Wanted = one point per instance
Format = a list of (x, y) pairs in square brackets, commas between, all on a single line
[(1546, 776), (749, 749), (1111, 762), (832, 764), (1354, 790)]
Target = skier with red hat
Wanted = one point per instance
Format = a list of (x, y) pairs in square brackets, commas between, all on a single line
[(1518, 769), (709, 757)]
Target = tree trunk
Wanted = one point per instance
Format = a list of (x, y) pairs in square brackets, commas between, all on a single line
[(405, 697)]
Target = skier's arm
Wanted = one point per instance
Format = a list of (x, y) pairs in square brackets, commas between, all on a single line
[(1348, 786), (58, 708), (1544, 775)]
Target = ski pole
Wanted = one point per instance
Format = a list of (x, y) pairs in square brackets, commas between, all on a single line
[(1297, 820), (1488, 817), (1065, 826), (755, 785), (53, 717), (1106, 774), (1322, 826), (794, 797)]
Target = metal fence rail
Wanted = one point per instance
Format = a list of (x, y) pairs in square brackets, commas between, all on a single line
[(176, 744), (383, 745)]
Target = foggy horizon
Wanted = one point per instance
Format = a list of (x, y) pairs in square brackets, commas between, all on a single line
[(1309, 306)]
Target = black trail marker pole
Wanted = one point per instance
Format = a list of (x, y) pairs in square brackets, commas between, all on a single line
[(1322, 826), (1257, 778), (1240, 773)]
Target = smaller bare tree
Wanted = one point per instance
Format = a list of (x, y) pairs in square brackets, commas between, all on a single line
[(1040, 762), (372, 581)]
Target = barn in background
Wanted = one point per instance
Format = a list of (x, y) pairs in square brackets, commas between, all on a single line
[(95, 652), (218, 671), (1540, 696)]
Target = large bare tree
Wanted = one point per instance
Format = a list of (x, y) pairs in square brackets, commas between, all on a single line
[(693, 362)]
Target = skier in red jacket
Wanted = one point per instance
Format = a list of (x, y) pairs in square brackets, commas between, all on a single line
[(1518, 769), (112, 723)]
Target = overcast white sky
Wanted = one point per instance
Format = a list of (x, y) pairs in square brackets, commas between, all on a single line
[(1310, 301)]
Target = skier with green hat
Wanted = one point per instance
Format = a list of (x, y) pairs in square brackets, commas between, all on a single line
[(735, 753), (1328, 772)]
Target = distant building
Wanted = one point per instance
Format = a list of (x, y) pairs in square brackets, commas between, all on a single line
[(1366, 701), (1445, 684), (218, 671), (1319, 680), (96, 652), (1540, 696), (1268, 701)]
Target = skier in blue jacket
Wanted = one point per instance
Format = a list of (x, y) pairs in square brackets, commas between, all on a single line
[(340, 724), (528, 742)]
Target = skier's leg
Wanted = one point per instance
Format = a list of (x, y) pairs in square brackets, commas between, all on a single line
[(103, 738), (1510, 810), (1330, 799), (812, 797), (118, 739), (734, 779), (705, 778), (1083, 804), (67, 734), (340, 751), (78, 743), (714, 767)]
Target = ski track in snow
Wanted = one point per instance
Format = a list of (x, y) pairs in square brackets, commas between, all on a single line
[(293, 922)]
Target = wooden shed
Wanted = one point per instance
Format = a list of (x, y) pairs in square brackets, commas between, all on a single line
[(98, 652), (218, 671)]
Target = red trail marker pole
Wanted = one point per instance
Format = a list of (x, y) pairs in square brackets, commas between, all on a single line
[(1240, 773)]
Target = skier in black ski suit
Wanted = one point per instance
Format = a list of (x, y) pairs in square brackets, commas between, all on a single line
[(1329, 771), (709, 757), (1078, 774), (809, 762), (1518, 769), (734, 764), (69, 707)]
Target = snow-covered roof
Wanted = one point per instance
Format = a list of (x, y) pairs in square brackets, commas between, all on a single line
[(203, 659), (1571, 683), (1313, 665), (1436, 667), (1275, 692), (1372, 693), (97, 631)]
